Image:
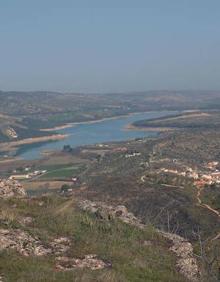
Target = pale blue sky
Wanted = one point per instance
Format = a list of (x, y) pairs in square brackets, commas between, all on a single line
[(109, 46)]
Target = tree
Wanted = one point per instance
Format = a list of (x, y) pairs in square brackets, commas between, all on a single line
[(64, 188)]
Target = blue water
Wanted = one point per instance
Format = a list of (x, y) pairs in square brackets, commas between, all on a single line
[(92, 133)]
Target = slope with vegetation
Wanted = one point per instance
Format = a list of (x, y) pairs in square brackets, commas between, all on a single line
[(51, 238), (170, 185)]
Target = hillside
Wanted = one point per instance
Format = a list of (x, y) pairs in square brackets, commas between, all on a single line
[(186, 120), (170, 184), (52, 238), (119, 211)]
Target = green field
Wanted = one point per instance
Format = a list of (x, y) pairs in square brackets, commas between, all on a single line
[(63, 172)]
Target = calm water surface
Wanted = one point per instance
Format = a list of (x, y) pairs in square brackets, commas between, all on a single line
[(92, 133)]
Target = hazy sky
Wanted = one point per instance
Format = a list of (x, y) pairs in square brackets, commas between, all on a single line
[(109, 46)]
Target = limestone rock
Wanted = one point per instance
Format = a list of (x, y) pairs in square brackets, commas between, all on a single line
[(186, 263), (11, 188), (103, 211), (22, 242), (89, 261), (60, 245)]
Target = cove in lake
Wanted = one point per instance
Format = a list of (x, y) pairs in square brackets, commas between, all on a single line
[(107, 130)]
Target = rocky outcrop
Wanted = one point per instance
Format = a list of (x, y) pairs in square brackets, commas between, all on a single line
[(27, 245), (186, 262), (107, 212), (22, 242), (11, 188), (89, 261), (60, 245)]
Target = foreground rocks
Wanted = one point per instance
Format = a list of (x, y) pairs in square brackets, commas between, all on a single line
[(11, 188), (22, 242), (186, 262), (27, 245), (89, 261), (60, 245)]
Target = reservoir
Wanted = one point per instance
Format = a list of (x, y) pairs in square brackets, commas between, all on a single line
[(89, 133)]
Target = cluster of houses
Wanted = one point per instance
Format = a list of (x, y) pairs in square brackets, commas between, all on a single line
[(28, 175), (212, 177), (201, 179), (189, 172), (132, 154), (208, 179)]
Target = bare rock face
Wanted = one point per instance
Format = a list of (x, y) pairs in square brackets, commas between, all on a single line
[(186, 263), (89, 261), (22, 242), (103, 211), (11, 188), (60, 245)]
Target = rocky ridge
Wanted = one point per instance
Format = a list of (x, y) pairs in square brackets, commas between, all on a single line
[(186, 262), (103, 211)]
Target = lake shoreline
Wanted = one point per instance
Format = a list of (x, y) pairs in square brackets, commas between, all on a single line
[(90, 132), (8, 146), (72, 124), (147, 128)]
